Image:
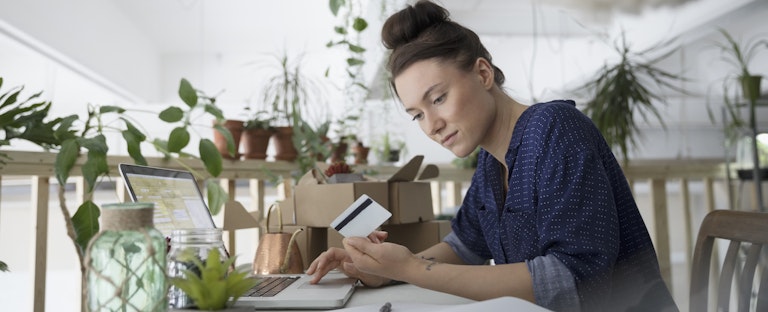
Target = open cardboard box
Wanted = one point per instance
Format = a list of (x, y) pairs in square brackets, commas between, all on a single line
[(405, 195)]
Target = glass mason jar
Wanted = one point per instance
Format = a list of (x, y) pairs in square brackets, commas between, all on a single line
[(125, 262), (188, 244)]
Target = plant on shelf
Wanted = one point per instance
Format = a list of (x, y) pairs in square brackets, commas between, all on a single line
[(288, 91), (390, 149), (633, 85), (741, 88), (211, 285), (258, 130)]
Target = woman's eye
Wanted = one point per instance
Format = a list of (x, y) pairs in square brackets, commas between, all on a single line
[(417, 116), (439, 100)]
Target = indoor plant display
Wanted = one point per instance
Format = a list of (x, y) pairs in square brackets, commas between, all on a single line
[(633, 85), (288, 92)]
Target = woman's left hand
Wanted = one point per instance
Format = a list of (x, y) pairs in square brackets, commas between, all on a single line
[(383, 259)]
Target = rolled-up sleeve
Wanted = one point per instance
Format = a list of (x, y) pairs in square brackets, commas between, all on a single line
[(461, 250), (553, 284)]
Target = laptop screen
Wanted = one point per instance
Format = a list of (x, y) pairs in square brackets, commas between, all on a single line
[(178, 201)]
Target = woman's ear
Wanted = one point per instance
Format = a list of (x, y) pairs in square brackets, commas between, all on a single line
[(485, 72)]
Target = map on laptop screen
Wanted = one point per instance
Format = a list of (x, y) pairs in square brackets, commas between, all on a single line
[(177, 198)]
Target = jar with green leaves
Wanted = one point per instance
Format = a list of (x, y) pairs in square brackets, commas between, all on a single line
[(125, 262)]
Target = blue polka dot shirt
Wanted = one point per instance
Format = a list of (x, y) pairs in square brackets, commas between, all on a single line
[(567, 198)]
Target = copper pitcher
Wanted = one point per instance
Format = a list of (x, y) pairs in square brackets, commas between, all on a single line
[(278, 253)]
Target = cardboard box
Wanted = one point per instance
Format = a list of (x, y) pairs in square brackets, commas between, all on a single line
[(317, 204), (410, 197), (418, 236)]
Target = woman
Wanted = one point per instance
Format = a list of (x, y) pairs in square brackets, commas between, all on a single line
[(548, 203)]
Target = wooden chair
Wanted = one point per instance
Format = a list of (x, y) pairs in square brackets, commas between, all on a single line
[(750, 228)]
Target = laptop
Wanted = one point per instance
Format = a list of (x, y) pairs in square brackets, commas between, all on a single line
[(179, 204)]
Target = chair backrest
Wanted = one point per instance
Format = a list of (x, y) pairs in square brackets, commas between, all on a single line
[(749, 229)]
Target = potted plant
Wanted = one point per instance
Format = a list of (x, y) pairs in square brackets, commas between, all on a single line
[(212, 285), (741, 91), (288, 92), (258, 130), (235, 128), (635, 84), (390, 149)]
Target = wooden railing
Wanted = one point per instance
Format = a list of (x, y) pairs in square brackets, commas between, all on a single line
[(446, 191)]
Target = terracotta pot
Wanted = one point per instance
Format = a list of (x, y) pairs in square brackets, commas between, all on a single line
[(361, 154), (236, 128), (255, 142), (339, 152), (283, 140)]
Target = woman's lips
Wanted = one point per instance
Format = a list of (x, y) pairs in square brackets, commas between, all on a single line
[(448, 141)]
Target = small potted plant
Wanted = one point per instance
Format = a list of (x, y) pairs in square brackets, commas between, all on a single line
[(741, 90), (211, 284), (258, 130)]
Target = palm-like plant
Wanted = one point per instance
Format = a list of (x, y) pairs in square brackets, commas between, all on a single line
[(630, 87)]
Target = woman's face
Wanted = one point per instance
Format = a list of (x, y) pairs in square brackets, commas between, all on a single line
[(453, 107)]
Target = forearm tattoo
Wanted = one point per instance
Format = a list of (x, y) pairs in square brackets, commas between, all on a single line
[(432, 262)]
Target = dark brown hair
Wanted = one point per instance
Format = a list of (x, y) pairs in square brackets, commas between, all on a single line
[(424, 31)]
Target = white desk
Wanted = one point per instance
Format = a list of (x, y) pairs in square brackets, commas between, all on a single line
[(408, 297)]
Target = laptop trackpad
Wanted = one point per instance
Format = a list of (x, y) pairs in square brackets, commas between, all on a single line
[(326, 284)]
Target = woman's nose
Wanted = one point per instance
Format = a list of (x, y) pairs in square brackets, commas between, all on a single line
[(435, 125)]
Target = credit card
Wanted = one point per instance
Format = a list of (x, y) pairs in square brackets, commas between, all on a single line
[(361, 218)]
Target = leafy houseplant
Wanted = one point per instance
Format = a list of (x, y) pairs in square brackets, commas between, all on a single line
[(212, 286), (741, 86), (288, 92), (738, 88), (620, 90)]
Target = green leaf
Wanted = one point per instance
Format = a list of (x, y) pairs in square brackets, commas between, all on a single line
[(86, 224), (359, 24), (95, 166), (340, 30), (335, 5), (133, 130), (356, 48), (187, 93), (231, 148), (211, 157), (171, 114), (215, 111), (63, 131), (111, 109), (3, 266), (178, 139), (217, 196), (96, 144), (354, 61), (134, 147), (65, 160)]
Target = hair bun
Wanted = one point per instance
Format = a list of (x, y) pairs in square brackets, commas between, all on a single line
[(405, 25)]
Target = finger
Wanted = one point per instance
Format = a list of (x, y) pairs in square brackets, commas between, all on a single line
[(382, 235), (350, 269)]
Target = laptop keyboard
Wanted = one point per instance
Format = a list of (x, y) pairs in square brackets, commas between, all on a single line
[(271, 286)]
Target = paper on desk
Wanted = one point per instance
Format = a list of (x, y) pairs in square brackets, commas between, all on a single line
[(498, 304)]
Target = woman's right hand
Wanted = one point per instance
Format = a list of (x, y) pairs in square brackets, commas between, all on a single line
[(337, 258)]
